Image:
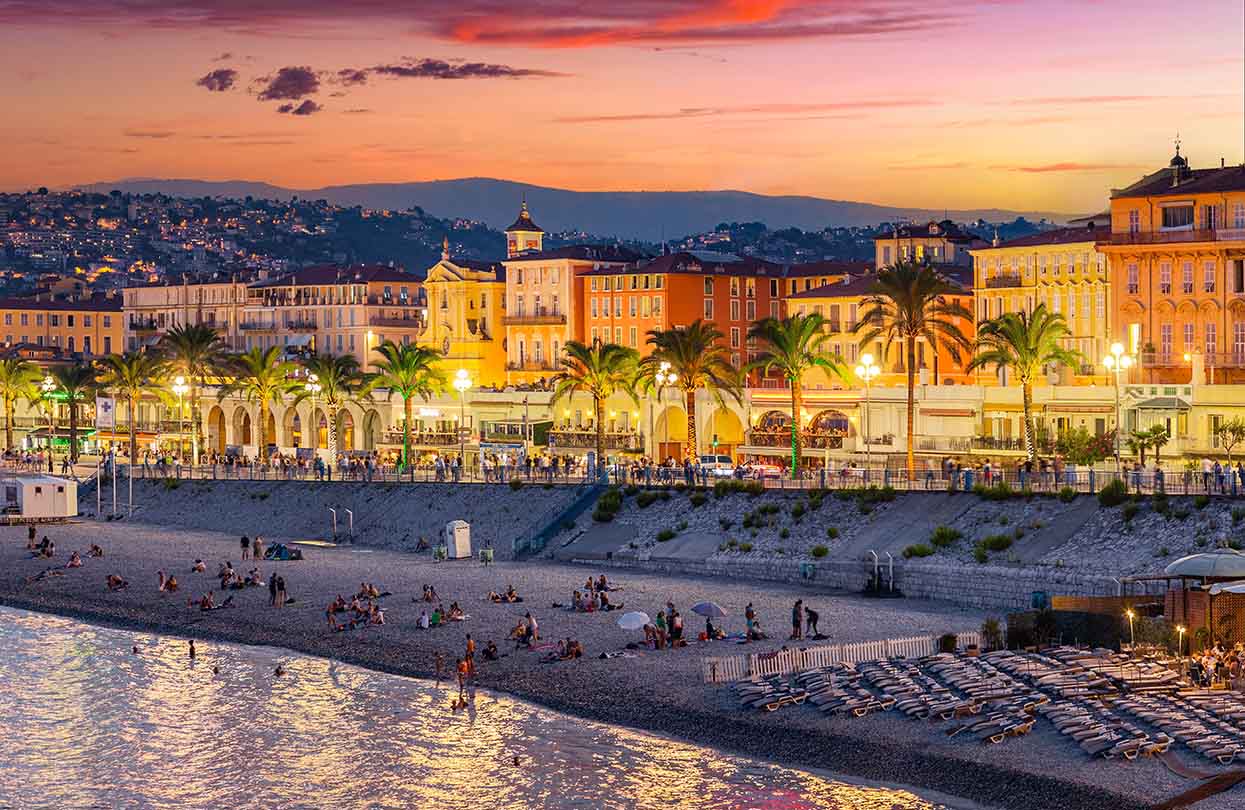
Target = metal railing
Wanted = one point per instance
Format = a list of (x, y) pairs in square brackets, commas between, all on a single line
[(1005, 280), (587, 440)]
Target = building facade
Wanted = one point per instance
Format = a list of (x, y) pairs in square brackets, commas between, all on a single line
[(466, 306), (152, 310), (88, 327), (942, 242)]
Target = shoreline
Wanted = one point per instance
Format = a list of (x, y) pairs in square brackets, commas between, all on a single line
[(663, 695)]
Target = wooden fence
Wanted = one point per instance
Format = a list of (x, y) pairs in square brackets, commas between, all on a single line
[(739, 667)]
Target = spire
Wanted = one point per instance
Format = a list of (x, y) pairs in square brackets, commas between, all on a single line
[(445, 249)]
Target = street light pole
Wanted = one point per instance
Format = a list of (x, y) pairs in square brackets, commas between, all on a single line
[(462, 383), (47, 387), (661, 379), (1118, 362), (866, 371), (313, 387), (180, 388)]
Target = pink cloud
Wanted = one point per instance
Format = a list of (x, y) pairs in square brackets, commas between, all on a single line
[(1069, 166)]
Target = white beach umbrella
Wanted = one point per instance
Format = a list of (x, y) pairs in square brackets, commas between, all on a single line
[(1227, 587), (635, 620), (1223, 562)]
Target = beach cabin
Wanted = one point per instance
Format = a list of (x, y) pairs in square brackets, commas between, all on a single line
[(40, 497), (457, 539)]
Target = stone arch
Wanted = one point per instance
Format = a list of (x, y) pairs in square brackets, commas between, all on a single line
[(321, 432), (831, 422), (242, 426), (1165, 307), (1209, 307), (292, 428), (345, 431), (671, 425), (373, 425), (270, 433), (774, 421), (729, 429), (1186, 307), (1236, 306), (1133, 308), (216, 429)]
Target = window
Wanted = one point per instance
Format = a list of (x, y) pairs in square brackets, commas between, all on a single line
[(1071, 304), (1238, 215), (595, 335), (734, 286), (1042, 264), (25, 320), (635, 282), (773, 288), (708, 286), (1133, 283), (632, 305), (1211, 342), (656, 306), (618, 307), (886, 255), (1210, 217), (709, 309), (1208, 277), (1186, 277), (86, 320), (1086, 302), (54, 320), (1238, 276), (750, 308), (1177, 216), (734, 310), (773, 309), (107, 344), (1055, 301), (1238, 341), (646, 308), (735, 359), (1165, 340), (734, 337), (1188, 337), (634, 338), (1165, 278), (593, 284), (618, 335), (518, 306), (752, 288), (659, 282), (595, 308), (69, 320)]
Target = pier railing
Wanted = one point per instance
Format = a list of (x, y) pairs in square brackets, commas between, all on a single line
[(760, 665)]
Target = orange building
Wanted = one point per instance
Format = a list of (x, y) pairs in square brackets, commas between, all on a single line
[(842, 304), (1177, 258), (89, 327)]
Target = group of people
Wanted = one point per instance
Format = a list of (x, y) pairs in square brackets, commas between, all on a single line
[(364, 610), (666, 629), (595, 597), (1219, 665)]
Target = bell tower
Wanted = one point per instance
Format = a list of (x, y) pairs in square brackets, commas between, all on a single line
[(524, 235)]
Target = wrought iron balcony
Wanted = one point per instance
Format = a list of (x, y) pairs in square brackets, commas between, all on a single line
[(586, 439), (542, 319), (1005, 280)]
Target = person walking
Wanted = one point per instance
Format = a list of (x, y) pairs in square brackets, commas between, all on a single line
[(470, 657), (272, 589), (281, 596), (245, 545), (797, 620), (810, 619)]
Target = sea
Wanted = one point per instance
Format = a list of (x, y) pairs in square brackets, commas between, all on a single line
[(87, 722)]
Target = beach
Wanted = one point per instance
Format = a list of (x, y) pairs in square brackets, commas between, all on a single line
[(655, 691)]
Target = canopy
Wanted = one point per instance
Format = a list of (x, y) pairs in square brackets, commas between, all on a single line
[(1227, 587), (1222, 562), (635, 620), (710, 609)]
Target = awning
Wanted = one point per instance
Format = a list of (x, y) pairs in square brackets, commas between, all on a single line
[(1004, 408), (1080, 409), (1162, 404), (62, 433), (299, 340), (947, 412)]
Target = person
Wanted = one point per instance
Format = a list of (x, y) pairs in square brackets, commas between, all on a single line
[(170, 585), (208, 602), (245, 545), (490, 651), (272, 589), (30, 537), (605, 602), (95, 551), (602, 585), (533, 629), (462, 670), (675, 620), (192, 649), (199, 567), (797, 620), (75, 561), (470, 655), (257, 548), (455, 613), (712, 633), (810, 617), (163, 580), (115, 582), (512, 595), (422, 623)]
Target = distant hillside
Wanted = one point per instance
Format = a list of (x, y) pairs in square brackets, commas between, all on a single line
[(625, 214)]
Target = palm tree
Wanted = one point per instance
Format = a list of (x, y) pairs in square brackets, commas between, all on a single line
[(196, 352), (600, 370), (1027, 343), (18, 380), (794, 345), (77, 384), (911, 302), (341, 380), (697, 353), (131, 376), (261, 376), (409, 371)]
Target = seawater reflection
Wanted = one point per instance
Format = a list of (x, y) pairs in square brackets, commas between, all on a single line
[(86, 723)]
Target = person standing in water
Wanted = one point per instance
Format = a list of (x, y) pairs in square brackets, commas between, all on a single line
[(192, 649)]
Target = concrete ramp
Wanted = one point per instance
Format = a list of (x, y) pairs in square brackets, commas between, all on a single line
[(909, 519), (688, 547), (1057, 531), (598, 542)]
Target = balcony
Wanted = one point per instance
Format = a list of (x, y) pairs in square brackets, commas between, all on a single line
[(425, 438), (1176, 237), (809, 439), (257, 326), (300, 326), (143, 325), (997, 443), (397, 323), (532, 365), (1005, 280), (541, 319), (586, 439)]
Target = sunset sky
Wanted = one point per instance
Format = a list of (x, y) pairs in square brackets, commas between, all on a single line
[(939, 103)]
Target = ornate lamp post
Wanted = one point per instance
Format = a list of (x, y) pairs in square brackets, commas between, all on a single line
[(1117, 362), (462, 384), (180, 388), (313, 387), (865, 372), (661, 379), (47, 387)]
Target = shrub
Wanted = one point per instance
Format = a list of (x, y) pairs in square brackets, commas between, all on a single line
[(876, 494), (664, 535), (820, 551), (664, 495), (980, 555), (631, 489), (727, 486), (1113, 494), (845, 494), (646, 498), (1067, 494), (1201, 501), (947, 642), (171, 483), (1129, 512), (698, 500), (607, 505), (1234, 544), (516, 483), (785, 533), (745, 547), (917, 550), (726, 524), (832, 532), (798, 510), (1238, 514), (996, 542), (1162, 552), (682, 525), (732, 543), (1180, 512), (1160, 504), (991, 634), (1004, 520), (1018, 532), (601, 516), (999, 492), (679, 486), (262, 496), (944, 536)]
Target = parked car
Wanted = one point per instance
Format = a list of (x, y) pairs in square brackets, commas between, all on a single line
[(719, 466), (763, 471)]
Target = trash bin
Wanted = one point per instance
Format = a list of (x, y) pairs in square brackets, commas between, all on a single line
[(1040, 601), (808, 570)]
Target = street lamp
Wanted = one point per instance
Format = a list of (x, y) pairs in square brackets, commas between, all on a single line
[(180, 388), (1118, 363), (313, 387), (47, 387), (661, 379), (865, 372), (1179, 639), (462, 384), (1132, 638)]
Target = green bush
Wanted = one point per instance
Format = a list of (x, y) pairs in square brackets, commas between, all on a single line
[(698, 500), (832, 532), (728, 486), (996, 542), (664, 495), (798, 510), (1160, 504), (745, 547), (682, 525), (1004, 520), (665, 535), (601, 516), (944, 536), (980, 555), (785, 533), (1067, 494), (607, 505), (820, 551), (1162, 552), (1128, 512), (1238, 514), (1201, 501), (1018, 532), (726, 524), (1113, 494), (917, 550), (171, 483), (516, 483), (875, 494), (999, 492), (646, 498), (631, 489), (865, 507)]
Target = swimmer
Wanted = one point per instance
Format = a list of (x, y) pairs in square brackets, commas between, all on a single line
[(192, 649), (280, 670)]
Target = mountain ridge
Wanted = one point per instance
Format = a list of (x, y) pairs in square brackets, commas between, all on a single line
[(646, 215)]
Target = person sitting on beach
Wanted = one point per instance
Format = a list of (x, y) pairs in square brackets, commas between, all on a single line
[(455, 613), (170, 585), (490, 651), (650, 634), (255, 578), (376, 615), (75, 561), (712, 632), (606, 604), (590, 585), (512, 595), (115, 582), (371, 591), (226, 569), (163, 581), (422, 544), (756, 633), (437, 617), (602, 585), (424, 622), (518, 632), (208, 602), (236, 582), (199, 567), (577, 601), (574, 649), (95, 551)]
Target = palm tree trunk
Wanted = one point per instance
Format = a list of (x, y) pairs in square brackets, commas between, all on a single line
[(8, 422), (133, 430), (598, 407), (797, 405), (910, 351), (406, 434), (1027, 400), (333, 410), (194, 425), (261, 429), (691, 445), (73, 431)]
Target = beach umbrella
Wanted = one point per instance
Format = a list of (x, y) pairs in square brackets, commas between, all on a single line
[(635, 620), (1227, 587), (1223, 562), (711, 610)]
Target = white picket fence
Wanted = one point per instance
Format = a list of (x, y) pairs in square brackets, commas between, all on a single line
[(739, 667)]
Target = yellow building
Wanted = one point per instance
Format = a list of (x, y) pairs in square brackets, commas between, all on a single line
[(88, 327), (1062, 269), (1177, 255), (938, 242), (466, 303)]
